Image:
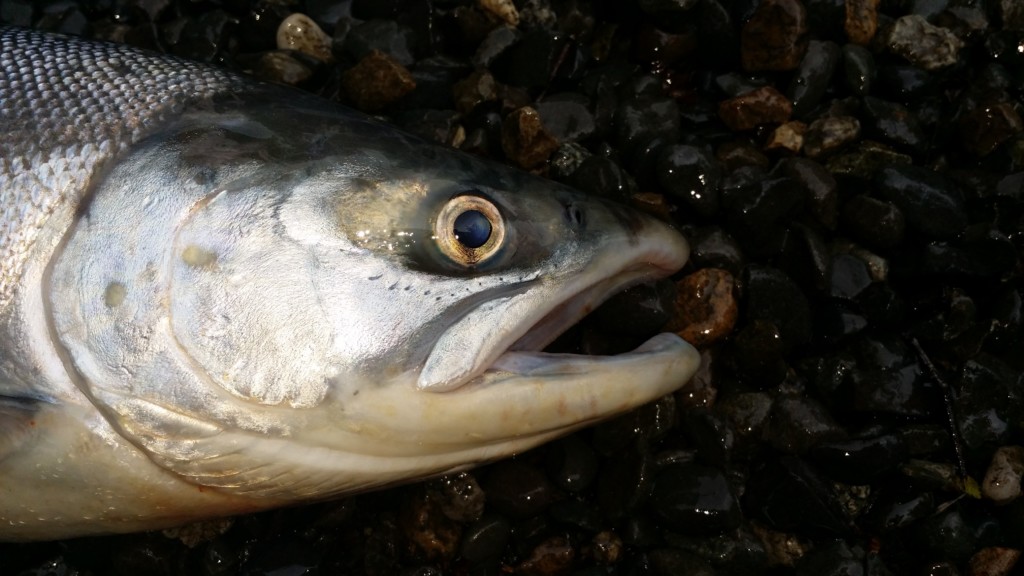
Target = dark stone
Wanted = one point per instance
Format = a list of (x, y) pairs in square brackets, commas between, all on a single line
[(798, 424), (931, 203), (837, 559), (567, 116), (775, 37), (571, 464), (874, 222), (644, 118), (772, 297), (385, 36), (860, 460), (859, 69), (789, 495), (904, 83), (714, 248), (602, 177), (517, 490), (692, 175), (695, 500), (813, 77), (893, 122)]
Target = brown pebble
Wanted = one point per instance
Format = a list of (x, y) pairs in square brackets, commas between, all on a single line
[(377, 81), (607, 547), (986, 127), (552, 556), (828, 134), (652, 203), (472, 90), (788, 137), (425, 526), (861, 21), (765, 105), (706, 308), (993, 561), (775, 37), (524, 139)]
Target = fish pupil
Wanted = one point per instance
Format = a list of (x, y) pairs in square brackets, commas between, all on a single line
[(472, 228)]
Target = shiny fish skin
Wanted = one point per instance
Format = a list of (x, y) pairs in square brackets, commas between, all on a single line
[(219, 296)]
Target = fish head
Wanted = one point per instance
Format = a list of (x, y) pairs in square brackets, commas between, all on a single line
[(344, 307)]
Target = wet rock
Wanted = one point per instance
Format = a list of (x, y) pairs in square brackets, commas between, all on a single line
[(791, 496), (860, 460), (987, 127), (670, 562), (1012, 14), (956, 532), (859, 69), (377, 81), (525, 140), (572, 464), (896, 506), (924, 44), (601, 176), (496, 43), (820, 187), (503, 10), (827, 135), (706, 308), (835, 559), (904, 83), (282, 68), (431, 533), (460, 497), (485, 539), (692, 175), (645, 118), (551, 557), (787, 137), (929, 201), (864, 160), (538, 59), (662, 49), (738, 154), (774, 298), (517, 490), (1002, 483), (441, 126), (874, 222), (861, 21), (476, 88), (695, 500), (385, 36), (813, 76), (714, 248), (762, 106), (567, 117), (607, 547), (893, 122), (901, 392), (993, 561), (775, 36), (300, 33), (797, 423)]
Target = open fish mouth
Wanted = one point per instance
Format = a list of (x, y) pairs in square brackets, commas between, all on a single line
[(510, 335)]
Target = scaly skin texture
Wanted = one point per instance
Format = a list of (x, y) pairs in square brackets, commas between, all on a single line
[(221, 296)]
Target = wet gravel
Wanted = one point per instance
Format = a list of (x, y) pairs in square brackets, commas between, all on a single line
[(851, 176)]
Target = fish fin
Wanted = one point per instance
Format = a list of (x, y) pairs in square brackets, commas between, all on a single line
[(17, 421)]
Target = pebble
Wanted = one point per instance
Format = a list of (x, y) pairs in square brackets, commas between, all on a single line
[(861, 21), (930, 202), (525, 140), (377, 81), (1002, 483), (787, 137), (829, 134), (860, 460), (695, 500), (567, 116), (299, 32), (790, 496), (503, 10), (798, 423), (874, 222), (775, 36), (922, 43), (813, 77), (761, 106), (987, 127), (893, 122), (692, 175), (993, 561), (485, 539), (549, 558), (706, 308), (859, 69)]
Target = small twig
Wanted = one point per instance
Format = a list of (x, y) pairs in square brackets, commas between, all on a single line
[(947, 397)]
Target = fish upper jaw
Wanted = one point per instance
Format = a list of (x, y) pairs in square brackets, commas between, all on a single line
[(521, 324)]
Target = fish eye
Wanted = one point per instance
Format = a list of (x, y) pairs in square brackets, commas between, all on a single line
[(469, 230)]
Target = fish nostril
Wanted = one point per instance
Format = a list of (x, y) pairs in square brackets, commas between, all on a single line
[(574, 216)]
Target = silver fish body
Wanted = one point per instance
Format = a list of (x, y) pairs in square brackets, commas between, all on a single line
[(219, 296)]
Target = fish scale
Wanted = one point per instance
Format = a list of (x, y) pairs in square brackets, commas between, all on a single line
[(87, 101)]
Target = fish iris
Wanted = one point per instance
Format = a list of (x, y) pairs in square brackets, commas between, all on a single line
[(472, 228)]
